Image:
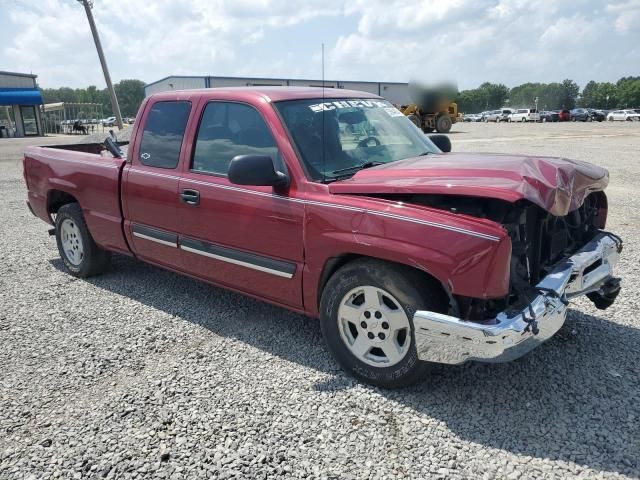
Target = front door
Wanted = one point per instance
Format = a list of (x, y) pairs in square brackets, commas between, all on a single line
[(247, 238)]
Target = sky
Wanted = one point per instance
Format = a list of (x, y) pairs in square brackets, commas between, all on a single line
[(465, 41)]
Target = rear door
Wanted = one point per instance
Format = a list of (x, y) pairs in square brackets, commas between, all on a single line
[(151, 181), (245, 237)]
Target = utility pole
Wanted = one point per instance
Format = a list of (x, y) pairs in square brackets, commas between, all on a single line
[(107, 78)]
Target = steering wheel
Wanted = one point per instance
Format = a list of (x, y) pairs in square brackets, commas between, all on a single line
[(365, 142)]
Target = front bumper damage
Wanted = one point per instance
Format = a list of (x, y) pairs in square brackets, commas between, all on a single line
[(446, 339)]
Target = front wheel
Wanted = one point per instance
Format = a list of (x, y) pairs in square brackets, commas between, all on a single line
[(79, 252), (366, 315), (443, 124)]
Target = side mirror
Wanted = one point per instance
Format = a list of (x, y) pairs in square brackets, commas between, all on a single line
[(442, 142), (256, 170), (112, 147)]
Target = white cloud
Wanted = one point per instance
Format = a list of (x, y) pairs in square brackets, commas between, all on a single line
[(470, 41)]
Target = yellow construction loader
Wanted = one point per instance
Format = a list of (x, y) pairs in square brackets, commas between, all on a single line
[(440, 120)]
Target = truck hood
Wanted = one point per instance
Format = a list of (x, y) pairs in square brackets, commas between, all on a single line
[(557, 185)]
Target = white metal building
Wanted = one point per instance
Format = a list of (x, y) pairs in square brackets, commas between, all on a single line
[(396, 93), (20, 101)]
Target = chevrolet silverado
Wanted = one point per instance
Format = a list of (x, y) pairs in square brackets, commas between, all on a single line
[(333, 204)]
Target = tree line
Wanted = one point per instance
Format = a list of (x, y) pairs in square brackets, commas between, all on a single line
[(130, 94), (625, 93)]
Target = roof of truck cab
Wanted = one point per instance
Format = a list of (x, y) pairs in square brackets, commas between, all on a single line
[(270, 94)]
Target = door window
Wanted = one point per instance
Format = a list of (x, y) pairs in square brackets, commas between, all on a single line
[(163, 133), (229, 129)]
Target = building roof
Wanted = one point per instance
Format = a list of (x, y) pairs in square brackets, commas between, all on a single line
[(16, 74), (271, 94), (269, 79)]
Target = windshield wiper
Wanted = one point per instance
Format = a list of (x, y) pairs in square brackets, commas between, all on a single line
[(357, 167)]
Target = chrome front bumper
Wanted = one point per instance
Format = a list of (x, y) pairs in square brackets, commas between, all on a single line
[(446, 339)]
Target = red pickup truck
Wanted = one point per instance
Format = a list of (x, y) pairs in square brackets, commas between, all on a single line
[(333, 204)]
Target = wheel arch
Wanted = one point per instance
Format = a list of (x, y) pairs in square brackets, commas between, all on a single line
[(334, 263), (57, 198)]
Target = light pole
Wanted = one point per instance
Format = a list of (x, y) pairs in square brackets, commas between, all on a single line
[(607, 107), (107, 78)]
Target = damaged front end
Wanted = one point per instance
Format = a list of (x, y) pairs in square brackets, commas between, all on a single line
[(554, 258)]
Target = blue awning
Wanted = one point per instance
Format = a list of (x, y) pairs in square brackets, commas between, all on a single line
[(20, 96)]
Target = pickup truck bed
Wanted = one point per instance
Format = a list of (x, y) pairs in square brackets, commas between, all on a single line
[(55, 174)]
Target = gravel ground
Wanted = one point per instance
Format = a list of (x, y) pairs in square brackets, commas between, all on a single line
[(141, 373)]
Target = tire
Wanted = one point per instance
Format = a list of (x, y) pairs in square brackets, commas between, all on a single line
[(443, 124), (348, 312), (79, 252), (415, 119)]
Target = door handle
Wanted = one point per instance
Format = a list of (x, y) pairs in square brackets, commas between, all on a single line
[(190, 197)]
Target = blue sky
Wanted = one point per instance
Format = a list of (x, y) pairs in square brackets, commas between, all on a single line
[(467, 41)]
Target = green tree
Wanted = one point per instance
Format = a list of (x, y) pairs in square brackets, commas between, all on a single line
[(130, 94), (628, 90), (569, 94)]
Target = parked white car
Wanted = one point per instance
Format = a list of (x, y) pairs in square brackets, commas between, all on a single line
[(109, 121), (524, 115), (623, 115)]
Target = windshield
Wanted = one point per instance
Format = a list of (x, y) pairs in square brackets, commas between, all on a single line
[(357, 133)]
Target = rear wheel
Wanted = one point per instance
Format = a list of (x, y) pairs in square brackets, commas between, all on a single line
[(443, 124), (79, 252), (366, 314)]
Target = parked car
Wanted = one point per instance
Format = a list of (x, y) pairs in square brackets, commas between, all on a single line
[(586, 115), (524, 115), (504, 115), (623, 115), (597, 115), (109, 121), (227, 187), (549, 116), (564, 115), (474, 117), (493, 116)]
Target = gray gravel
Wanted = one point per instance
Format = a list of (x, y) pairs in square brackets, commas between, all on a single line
[(122, 135), (141, 373)]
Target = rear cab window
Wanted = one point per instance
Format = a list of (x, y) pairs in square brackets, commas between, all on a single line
[(163, 134)]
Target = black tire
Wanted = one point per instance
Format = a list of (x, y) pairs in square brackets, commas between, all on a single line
[(415, 119), (94, 260), (412, 291), (443, 124)]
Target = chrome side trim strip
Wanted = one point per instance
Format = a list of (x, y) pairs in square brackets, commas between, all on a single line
[(152, 239), (237, 262)]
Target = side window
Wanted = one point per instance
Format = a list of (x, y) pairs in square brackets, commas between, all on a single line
[(230, 129), (163, 133)]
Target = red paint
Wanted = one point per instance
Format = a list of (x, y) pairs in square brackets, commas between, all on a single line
[(309, 223)]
